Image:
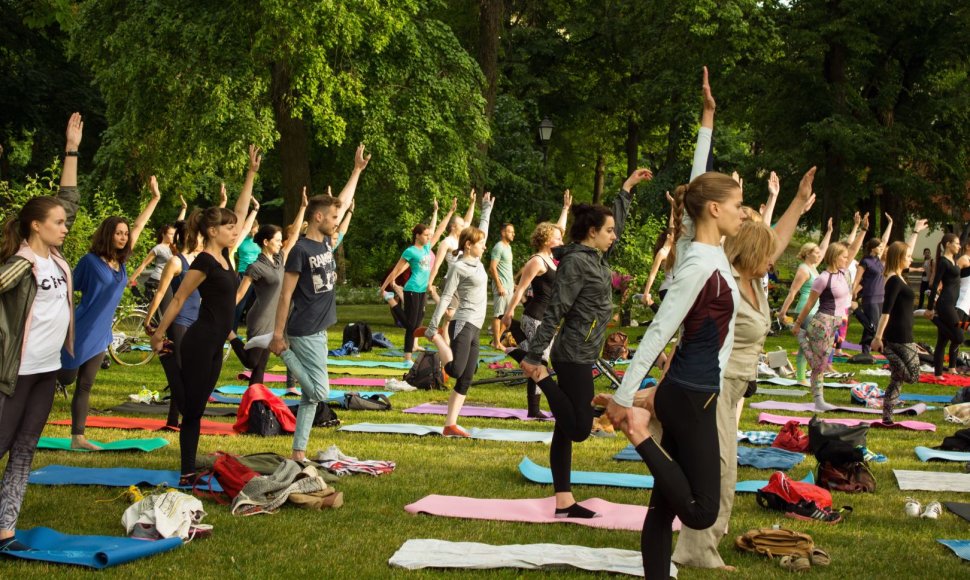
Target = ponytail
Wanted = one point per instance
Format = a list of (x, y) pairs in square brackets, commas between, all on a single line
[(202, 219), (16, 230)]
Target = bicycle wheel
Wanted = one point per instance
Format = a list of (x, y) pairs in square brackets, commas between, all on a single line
[(130, 344)]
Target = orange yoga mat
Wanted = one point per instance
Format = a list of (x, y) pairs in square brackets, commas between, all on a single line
[(208, 427)]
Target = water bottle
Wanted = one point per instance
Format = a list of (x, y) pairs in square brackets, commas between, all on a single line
[(638, 297)]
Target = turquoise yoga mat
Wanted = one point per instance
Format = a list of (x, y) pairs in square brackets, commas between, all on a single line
[(960, 547), (927, 454), (926, 398), (64, 444), (97, 552), (538, 474), (111, 477), (475, 432)]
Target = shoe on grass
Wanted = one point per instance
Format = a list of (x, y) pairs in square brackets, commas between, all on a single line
[(454, 431), (912, 508), (932, 511)]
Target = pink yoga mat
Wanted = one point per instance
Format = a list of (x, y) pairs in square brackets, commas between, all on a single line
[(913, 425), (810, 408), (347, 382), (473, 411), (615, 516), (208, 427)]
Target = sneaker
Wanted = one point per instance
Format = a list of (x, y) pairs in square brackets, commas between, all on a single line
[(454, 431), (912, 508), (408, 364), (809, 511), (932, 511)]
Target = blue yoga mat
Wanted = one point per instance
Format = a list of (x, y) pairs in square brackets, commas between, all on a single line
[(960, 547), (92, 551), (927, 454), (111, 477), (926, 398), (538, 474)]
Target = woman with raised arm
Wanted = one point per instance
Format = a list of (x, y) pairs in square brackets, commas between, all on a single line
[(445, 255), (466, 277), (202, 347), (100, 276), (265, 276), (36, 320), (158, 256), (417, 257), (539, 273), (581, 307), (664, 256), (945, 315)]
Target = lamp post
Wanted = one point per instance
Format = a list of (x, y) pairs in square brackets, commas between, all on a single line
[(545, 135)]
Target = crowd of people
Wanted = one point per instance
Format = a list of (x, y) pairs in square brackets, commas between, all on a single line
[(220, 266)]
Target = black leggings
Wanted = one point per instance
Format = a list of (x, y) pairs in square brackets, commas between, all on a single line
[(201, 354), (81, 401), (255, 359), (571, 402), (871, 311), (413, 314), (464, 347), (172, 365), (686, 467), (947, 321)]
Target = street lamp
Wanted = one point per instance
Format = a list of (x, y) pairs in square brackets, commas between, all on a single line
[(545, 135)]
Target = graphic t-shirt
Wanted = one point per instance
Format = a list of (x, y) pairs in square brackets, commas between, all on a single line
[(314, 306), (502, 253), (50, 318), (419, 258)]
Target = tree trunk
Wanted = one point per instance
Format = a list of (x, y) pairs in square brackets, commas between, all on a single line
[(632, 145), (294, 146), (599, 178), (490, 15), (833, 184)]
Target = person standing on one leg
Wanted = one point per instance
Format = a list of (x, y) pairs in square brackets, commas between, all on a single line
[(308, 285), (945, 315), (500, 269)]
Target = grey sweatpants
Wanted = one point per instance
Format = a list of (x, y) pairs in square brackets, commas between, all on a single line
[(22, 420)]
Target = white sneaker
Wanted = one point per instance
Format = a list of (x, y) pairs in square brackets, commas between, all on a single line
[(913, 508), (261, 341), (932, 511)]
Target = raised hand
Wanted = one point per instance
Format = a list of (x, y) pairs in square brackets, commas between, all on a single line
[(329, 191), (636, 177), (223, 196), (184, 203), (454, 204), (805, 185), (829, 225), (487, 200), (360, 160), (920, 225), (865, 221), (856, 218), (567, 199), (889, 218), (737, 179), (75, 130), (305, 202), (255, 203), (353, 204), (809, 204), (774, 185), (670, 198), (153, 187), (472, 196), (709, 104), (254, 158)]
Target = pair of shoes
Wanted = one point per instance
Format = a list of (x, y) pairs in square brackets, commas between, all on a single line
[(933, 509), (454, 431), (795, 563)]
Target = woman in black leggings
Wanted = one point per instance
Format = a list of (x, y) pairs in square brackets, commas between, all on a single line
[(202, 346), (945, 315), (580, 307)]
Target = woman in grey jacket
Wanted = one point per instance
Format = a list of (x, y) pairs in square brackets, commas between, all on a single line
[(581, 301)]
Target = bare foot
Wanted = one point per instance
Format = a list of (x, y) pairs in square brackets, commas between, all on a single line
[(444, 350), (298, 455), (81, 442), (727, 568), (602, 399)]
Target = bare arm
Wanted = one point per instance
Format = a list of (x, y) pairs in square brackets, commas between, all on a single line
[(774, 188), (889, 229), (856, 244), (857, 283), (141, 267), (242, 204), (294, 236), (440, 228), (826, 239), (493, 272), (812, 299), (470, 212), (534, 267), (856, 219), (654, 270), (283, 311), (919, 226), (398, 269), (223, 197), (801, 276), (439, 258), (246, 228), (567, 201), (185, 206), (789, 221), (243, 288), (707, 114), (172, 269), (350, 188), (189, 284), (146, 213)]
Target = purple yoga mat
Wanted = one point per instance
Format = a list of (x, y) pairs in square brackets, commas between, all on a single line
[(473, 411), (913, 425), (615, 516), (916, 409), (348, 382)]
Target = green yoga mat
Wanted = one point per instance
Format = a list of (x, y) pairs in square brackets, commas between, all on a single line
[(64, 444)]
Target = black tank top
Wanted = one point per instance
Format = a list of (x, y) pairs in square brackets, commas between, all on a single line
[(950, 276), (541, 291)]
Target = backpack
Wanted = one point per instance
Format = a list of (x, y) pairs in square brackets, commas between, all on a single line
[(835, 443), (252, 417), (325, 416), (371, 402), (791, 438), (262, 420), (359, 333), (851, 478), (962, 396), (231, 474), (616, 346), (426, 373), (782, 492)]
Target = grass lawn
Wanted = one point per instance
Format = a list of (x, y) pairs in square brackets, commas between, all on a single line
[(876, 541)]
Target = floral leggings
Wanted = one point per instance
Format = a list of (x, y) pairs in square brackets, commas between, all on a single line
[(817, 342), (904, 368)]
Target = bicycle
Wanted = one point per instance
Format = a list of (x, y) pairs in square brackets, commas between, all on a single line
[(130, 342)]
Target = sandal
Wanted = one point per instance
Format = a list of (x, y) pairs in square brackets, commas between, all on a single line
[(820, 557), (795, 563)]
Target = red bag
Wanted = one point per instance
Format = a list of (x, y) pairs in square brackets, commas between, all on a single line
[(791, 438), (259, 392), (795, 492), (231, 474)]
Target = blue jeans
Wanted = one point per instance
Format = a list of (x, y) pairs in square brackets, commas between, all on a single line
[(306, 359)]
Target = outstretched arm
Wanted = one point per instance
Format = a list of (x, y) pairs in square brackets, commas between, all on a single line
[(826, 239), (889, 229), (295, 228), (920, 225), (567, 201), (856, 220), (470, 212), (440, 228), (774, 188), (185, 207), (242, 204), (856, 243), (247, 226), (223, 196), (789, 221), (344, 225), (146, 213), (350, 188)]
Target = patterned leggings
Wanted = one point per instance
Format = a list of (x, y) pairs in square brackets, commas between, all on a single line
[(817, 343), (904, 366)]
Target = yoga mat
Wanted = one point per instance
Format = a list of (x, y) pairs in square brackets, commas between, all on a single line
[(475, 432), (162, 409), (781, 392), (959, 509), (220, 398), (369, 364), (916, 409), (960, 547), (927, 454), (926, 398), (783, 382), (208, 427), (912, 425), (64, 444), (421, 554), (537, 511), (267, 377), (336, 397), (932, 480), (473, 411), (97, 552), (111, 477), (241, 390), (947, 380), (365, 371)]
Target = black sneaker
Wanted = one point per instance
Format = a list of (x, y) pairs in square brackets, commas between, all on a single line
[(808, 511)]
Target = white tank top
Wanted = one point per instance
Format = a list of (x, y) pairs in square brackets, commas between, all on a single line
[(963, 300)]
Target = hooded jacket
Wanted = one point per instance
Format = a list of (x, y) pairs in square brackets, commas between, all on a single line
[(18, 288), (581, 304)]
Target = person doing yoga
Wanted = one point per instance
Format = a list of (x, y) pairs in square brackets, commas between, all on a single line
[(945, 315), (467, 277), (581, 308)]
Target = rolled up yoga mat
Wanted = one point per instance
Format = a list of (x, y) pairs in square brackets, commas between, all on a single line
[(475, 411), (475, 432), (911, 425), (97, 552), (927, 454), (112, 477), (917, 409), (208, 427), (64, 444), (932, 480)]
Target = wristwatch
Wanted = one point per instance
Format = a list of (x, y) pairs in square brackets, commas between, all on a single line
[(71, 153)]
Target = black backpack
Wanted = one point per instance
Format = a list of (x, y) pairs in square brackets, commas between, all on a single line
[(367, 402), (262, 420), (325, 416), (426, 372), (359, 333)]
